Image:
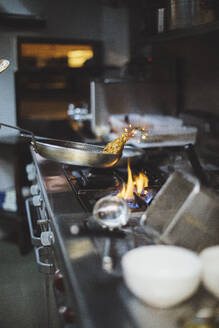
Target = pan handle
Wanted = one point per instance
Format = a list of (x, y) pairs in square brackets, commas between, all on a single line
[(37, 138), (21, 130)]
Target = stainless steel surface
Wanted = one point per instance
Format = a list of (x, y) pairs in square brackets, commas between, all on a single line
[(41, 244), (48, 297), (176, 137), (107, 259), (47, 238), (110, 97), (60, 204), (35, 240), (80, 120), (34, 190), (69, 152), (185, 213), (81, 262), (78, 114), (75, 153), (168, 201), (151, 130), (186, 13), (19, 129), (196, 225), (161, 17)]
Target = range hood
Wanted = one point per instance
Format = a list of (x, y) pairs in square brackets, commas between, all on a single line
[(15, 13)]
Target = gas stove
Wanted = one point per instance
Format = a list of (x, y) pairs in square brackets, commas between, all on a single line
[(85, 257), (89, 185)]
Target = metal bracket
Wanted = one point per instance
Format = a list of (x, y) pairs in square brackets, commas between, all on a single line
[(43, 266), (36, 241)]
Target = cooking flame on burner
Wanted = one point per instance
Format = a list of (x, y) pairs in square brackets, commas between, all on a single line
[(135, 184)]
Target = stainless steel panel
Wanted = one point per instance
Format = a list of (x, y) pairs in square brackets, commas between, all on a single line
[(186, 13), (115, 97), (185, 213)]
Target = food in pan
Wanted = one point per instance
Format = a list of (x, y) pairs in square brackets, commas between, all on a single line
[(116, 146)]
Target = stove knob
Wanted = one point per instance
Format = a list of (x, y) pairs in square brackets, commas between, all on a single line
[(31, 176), (37, 201), (29, 167), (47, 238), (67, 314), (34, 189), (58, 282), (31, 172)]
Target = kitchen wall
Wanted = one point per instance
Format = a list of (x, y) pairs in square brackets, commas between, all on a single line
[(115, 34), (7, 111), (84, 19), (196, 57), (199, 71)]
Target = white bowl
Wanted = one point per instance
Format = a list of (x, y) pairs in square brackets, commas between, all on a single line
[(210, 274), (162, 276)]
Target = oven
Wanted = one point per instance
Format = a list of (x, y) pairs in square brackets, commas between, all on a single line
[(53, 74), (41, 227), (81, 256)]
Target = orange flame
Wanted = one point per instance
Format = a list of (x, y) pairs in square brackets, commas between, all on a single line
[(134, 184)]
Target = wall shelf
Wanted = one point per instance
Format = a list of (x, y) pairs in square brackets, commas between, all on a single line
[(184, 33), (21, 21)]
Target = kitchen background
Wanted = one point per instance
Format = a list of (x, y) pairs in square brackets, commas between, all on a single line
[(89, 20), (180, 68), (128, 34)]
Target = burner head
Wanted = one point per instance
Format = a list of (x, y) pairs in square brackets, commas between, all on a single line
[(90, 185), (111, 212)]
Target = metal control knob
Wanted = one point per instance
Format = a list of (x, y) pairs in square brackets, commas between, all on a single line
[(58, 282), (31, 176), (34, 189), (29, 167), (47, 238), (37, 200), (67, 314), (31, 172)]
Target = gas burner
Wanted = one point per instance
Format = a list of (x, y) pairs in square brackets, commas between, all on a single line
[(141, 202), (89, 185)]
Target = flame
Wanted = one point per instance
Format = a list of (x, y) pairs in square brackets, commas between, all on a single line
[(134, 184)]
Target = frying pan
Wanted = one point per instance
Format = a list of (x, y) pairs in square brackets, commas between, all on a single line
[(69, 152), (131, 153)]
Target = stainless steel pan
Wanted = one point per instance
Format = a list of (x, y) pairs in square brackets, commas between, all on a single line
[(69, 152)]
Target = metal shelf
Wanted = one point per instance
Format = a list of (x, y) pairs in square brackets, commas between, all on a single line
[(184, 33), (21, 21)]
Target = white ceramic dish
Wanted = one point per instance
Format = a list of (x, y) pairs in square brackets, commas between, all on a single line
[(162, 276), (148, 121), (210, 275), (162, 138), (160, 130)]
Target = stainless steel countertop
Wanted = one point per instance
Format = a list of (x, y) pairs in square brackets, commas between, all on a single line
[(100, 299)]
